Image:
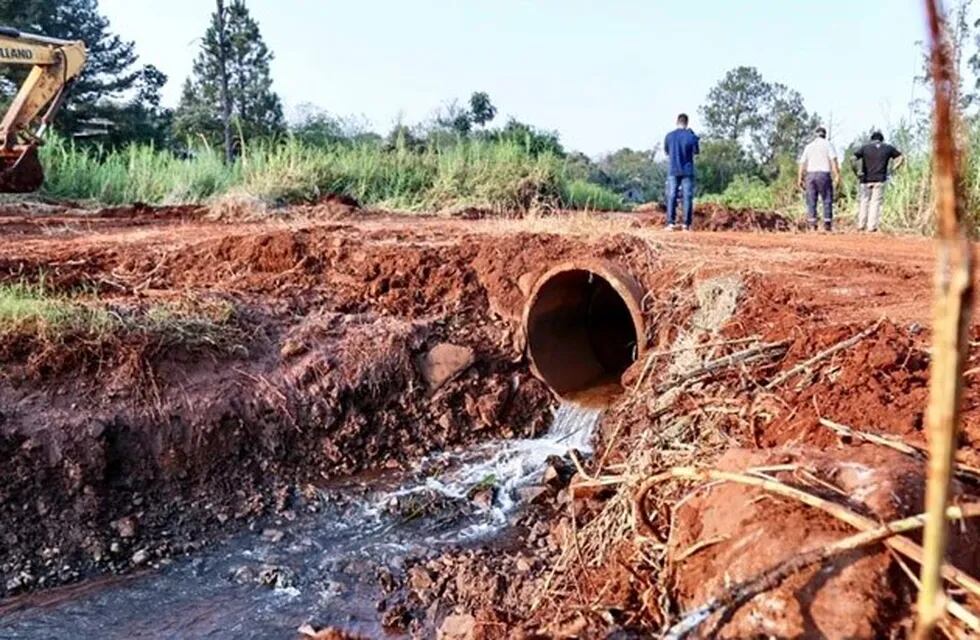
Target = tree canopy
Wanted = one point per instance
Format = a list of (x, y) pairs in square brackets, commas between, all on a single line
[(256, 108), (114, 96)]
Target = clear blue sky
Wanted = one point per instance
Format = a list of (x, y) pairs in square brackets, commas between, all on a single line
[(605, 74)]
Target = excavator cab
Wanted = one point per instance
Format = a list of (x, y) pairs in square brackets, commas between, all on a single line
[(55, 64)]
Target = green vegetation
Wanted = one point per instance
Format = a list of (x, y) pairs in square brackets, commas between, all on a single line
[(33, 310), (495, 173), (229, 135)]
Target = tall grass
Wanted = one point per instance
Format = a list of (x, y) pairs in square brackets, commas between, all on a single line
[(498, 174), (908, 205)]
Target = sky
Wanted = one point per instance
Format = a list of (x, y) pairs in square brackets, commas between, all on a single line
[(605, 75)]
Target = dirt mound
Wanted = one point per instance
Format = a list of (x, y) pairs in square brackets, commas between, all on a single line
[(729, 533), (715, 217)]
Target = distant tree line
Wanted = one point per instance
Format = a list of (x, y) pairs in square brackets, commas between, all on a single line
[(750, 125)]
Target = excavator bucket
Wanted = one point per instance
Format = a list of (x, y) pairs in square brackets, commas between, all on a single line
[(20, 170)]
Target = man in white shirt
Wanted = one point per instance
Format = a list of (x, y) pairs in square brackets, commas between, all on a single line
[(819, 173)]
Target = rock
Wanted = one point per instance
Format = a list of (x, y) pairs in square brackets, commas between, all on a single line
[(523, 565), (126, 527), (558, 472), (292, 347), (140, 558), (551, 476), (458, 627), (419, 578), (483, 498), (532, 494), (273, 535), (20, 581), (444, 362), (277, 577), (244, 575)]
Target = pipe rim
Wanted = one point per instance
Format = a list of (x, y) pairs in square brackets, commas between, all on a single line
[(621, 281)]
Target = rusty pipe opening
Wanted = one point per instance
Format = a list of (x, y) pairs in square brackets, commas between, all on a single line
[(584, 326)]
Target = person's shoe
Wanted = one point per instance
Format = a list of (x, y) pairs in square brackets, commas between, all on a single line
[(671, 227), (687, 227), (811, 225), (828, 226)]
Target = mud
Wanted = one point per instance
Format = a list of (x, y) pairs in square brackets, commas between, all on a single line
[(127, 450)]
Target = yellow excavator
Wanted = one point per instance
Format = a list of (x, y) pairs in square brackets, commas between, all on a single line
[(55, 64)]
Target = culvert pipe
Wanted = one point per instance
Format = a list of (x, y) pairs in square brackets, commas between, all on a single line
[(584, 327)]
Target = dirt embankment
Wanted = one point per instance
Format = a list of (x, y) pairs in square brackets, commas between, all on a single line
[(364, 343), (121, 448)]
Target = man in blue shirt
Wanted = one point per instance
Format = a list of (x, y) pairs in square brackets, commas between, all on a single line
[(681, 145)]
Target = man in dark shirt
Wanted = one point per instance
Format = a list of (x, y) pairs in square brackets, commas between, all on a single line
[(681, 145), (871, 162)]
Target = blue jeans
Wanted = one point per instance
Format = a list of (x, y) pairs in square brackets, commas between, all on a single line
[(819, 185), (687, 187)]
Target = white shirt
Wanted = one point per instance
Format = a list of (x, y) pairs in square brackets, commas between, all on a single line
[(818, 156)]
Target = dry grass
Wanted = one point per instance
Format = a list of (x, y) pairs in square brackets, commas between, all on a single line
[(673, 436), (35, 312), (572, 223)]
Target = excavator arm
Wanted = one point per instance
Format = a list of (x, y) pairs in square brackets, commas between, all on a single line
[(54, 66)]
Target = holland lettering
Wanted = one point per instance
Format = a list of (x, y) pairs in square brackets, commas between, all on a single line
[(16, 54)]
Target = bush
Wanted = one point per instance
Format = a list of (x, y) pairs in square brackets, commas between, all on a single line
[(580, 194), (745, 192)]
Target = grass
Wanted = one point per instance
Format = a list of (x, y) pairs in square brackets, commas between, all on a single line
[(33, 310), (909, 205), (496, 174)]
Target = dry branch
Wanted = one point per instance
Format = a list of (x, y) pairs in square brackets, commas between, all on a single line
[(745, 356), (823, 355), (951, 324), (738, 595), (901, 446), (900, 544)]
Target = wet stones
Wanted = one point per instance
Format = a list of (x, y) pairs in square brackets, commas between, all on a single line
[(140, 558), (274, 536), (126, 527)]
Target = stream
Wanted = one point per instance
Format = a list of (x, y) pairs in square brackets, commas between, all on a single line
[(321, 568)]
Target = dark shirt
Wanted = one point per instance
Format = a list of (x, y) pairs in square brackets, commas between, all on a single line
[(874, 158), (681, 145)]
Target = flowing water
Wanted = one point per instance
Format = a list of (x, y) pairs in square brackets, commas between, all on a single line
[(323, 568)]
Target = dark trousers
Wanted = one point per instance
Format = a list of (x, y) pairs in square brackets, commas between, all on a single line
[(686, 184), (819, 185)]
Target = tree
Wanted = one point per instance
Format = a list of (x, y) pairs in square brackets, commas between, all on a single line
[(719, 163), (255, 108), (764, 121), (735, 105), (222, 55), (316, 126), (784, 127), (482, 110), (113, 93), (455, 118), (535, 141), (634, 174)]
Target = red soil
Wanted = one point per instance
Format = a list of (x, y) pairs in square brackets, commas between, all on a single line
[(339, 307)]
